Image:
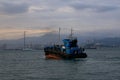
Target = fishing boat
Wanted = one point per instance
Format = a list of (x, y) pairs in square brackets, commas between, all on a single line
[(69, 50)]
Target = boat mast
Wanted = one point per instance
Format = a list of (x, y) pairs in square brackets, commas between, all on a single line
[(71, 34), (59, 34), (24, 39)]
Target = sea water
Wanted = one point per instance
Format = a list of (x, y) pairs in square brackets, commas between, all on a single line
[(101, 64)]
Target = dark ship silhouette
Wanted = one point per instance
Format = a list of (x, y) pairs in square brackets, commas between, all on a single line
[(69, 50)]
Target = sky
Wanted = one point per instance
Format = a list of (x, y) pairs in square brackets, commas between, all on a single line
[(86, 17)]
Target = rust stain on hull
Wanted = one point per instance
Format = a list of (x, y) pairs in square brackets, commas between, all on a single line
[(52, 56)]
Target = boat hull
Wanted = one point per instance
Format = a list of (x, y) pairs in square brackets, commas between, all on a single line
[(58, 56), (53, 56)]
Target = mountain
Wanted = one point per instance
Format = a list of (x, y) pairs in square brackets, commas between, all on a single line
[(114, 41), (51, 38)]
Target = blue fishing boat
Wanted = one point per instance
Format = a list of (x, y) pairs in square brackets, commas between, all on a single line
[(69, 49)]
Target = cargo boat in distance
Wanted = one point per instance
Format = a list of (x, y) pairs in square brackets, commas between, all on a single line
[(69, 50)]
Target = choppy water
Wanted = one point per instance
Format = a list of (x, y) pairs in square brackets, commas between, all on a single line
[(101, 64)]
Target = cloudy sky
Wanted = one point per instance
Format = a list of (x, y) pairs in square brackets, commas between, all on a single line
[(100, 17)]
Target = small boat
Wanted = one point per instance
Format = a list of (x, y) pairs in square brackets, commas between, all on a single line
[(70, 50), (25, 48)]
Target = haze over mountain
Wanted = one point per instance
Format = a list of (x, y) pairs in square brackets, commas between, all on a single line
[(53, 38)]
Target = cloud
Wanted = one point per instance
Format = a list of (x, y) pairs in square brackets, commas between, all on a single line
[(38, 9), (8, 33), (93, 7), (65, 9), (85, 15), (106, 8), (13, 8)]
